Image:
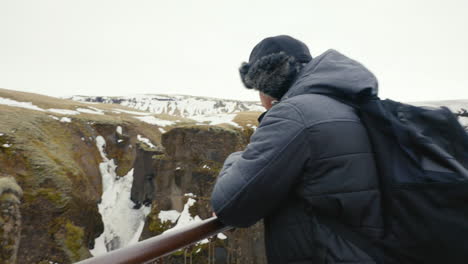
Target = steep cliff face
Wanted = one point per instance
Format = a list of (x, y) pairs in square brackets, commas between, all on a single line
[(142, 192), (183, 182)]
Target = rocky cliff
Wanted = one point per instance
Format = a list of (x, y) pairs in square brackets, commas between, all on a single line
[(89, 175)]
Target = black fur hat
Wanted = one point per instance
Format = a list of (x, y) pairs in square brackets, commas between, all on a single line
[(274, 64)]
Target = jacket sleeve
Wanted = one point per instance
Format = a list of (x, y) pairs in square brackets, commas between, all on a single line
[(254, 182)]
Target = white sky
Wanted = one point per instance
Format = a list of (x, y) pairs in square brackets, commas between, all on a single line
[(418, 49)]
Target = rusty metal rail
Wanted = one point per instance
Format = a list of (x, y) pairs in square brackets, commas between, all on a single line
[(162, 245)]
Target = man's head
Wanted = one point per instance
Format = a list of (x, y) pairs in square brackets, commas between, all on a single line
[(274, 64)]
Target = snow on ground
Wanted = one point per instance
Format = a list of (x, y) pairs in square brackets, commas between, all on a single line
[(118, 111), (54, 117), (65, 120), (146, 141), (454, 105), (162, 130), (251, 126), (217, 119), (6, 145), (170, 215), (63, 111), (185, 218), (1, 134), (463, 120), (119, 130), (27, 105), (155, 121), (93, 111), (122, 224), (187, 106)]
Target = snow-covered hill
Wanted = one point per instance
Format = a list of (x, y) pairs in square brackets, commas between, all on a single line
[(459, 107), (179, 105)]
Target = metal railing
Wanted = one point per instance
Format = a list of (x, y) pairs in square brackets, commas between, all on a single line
[(159, 246)]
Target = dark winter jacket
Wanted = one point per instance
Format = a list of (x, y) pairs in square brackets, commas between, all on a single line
[(309, 156)]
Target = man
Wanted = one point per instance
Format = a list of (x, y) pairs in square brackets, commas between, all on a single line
[(310, 156)]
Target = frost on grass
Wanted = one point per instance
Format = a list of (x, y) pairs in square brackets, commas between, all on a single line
[(122, 224), (155, 121), (146, 141), (27, 105)]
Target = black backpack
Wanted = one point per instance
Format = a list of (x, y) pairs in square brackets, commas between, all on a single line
[(422, 160)]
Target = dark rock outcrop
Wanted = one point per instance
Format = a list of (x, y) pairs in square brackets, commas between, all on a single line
[(10, 219), (142, 192), (188, 169)]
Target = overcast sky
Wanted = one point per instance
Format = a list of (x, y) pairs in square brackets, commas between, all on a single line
[(417, 48)]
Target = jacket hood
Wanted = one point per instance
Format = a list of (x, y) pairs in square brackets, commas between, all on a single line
[(334, 74)]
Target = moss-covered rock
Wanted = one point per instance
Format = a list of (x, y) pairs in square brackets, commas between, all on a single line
[(10, 219)]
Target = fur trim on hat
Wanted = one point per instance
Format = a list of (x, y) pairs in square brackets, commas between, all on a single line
[(272, 74)]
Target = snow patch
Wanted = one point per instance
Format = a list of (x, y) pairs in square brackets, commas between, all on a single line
[(14, 103), (186, 218), (146, 141), (118, 111), (122, 224), (155, 121), (463, 120), (65, 120), (190, 195), (181, 105), (54, 117), (217, 119), (63, 111), (170, 215), (6, 145), (221, 236), (119, 130), (89, 111), (1, 134), (162, 130)]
